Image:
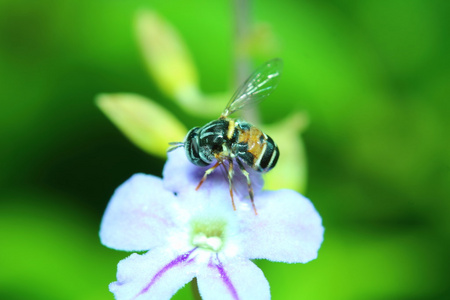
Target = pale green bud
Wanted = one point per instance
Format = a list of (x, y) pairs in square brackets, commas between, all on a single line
[(147, 124)]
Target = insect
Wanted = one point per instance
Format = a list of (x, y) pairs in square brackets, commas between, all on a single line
[(228, 139)]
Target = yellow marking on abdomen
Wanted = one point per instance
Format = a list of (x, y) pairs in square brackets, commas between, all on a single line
[(255, 146)]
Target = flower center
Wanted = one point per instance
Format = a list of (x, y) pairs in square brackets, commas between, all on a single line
[(208, 234)]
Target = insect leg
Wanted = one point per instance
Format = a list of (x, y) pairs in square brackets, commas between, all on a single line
[(249, 184), (230, 181), (225, 173), (207, 172)]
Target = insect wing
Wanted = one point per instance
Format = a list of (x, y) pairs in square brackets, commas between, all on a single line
[(257, 87)]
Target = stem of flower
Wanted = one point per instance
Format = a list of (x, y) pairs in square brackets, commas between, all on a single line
[(242, 64), (241, 32)]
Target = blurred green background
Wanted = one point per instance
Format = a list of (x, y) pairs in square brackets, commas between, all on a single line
[(372, 75)]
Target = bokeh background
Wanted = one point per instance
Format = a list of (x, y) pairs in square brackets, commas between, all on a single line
[(373, 77)]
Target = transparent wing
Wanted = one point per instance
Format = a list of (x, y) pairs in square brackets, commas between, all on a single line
[(257, 87)]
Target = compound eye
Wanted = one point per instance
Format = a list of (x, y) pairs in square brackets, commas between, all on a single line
[(192, 148)]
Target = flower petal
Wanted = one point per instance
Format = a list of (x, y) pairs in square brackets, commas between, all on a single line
[(236, 279), (158, 274), (137, 217), (287, 228), (180, 174)]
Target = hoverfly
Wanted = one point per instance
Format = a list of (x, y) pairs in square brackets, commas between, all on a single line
[(228, 139)]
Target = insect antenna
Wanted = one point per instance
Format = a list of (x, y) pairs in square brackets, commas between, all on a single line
[(175, 145)]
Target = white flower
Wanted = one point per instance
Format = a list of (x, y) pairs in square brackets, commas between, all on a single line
[(198, 234)]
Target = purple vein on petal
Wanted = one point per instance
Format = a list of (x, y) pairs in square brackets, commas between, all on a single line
[(179, 259), (226, 279)]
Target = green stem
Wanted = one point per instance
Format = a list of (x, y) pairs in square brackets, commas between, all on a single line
[(242, 61), (241, 32)]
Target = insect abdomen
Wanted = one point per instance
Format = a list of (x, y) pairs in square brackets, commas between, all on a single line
[(255, 148), (269, 157)]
